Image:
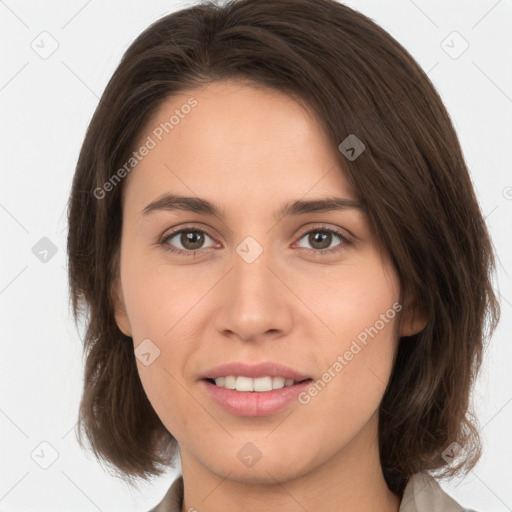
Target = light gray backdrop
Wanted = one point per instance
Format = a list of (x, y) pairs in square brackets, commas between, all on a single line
[(56, 60)]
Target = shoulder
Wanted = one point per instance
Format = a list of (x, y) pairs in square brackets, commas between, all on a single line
[(173, 498), (424, 494)]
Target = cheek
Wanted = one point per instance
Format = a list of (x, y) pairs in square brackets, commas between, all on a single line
[(354, 298), (165, 391), (348, 394), (158, 305), (159, 297), (358, 355)]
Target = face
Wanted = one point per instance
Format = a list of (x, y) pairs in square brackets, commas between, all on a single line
[(305, 295)]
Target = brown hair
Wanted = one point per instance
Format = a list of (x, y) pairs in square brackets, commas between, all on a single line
[(411, 179)]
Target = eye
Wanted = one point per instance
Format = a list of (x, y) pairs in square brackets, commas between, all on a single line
[(190, 239), (193, 239), (321, 238)]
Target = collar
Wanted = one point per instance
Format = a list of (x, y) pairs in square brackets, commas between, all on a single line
[(422, 494)]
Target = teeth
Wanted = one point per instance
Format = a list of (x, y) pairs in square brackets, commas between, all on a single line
[(248, 384), (229, 382)]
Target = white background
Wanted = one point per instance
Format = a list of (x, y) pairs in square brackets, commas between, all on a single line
[(46, 105)]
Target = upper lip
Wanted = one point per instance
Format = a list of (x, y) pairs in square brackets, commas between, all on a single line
[(264, 369)]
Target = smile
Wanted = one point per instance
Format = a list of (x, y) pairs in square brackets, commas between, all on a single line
[(260, 384), (253, 403)]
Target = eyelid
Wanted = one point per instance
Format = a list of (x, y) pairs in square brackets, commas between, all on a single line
[(346, 240), (171, 233), (321, 227)]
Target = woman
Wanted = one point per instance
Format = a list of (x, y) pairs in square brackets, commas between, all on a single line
[(284, 264)]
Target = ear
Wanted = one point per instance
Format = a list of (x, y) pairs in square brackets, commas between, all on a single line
[(413, 318), (120, 310)]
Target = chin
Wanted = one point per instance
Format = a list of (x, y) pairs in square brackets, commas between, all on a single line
[(265, 471)]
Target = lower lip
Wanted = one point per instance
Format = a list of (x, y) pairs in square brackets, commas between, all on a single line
[(254, 403)]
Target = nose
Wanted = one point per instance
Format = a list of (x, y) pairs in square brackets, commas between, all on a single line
[(256, 303)]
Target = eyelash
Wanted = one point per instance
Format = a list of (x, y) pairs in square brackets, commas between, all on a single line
[(316, 252)]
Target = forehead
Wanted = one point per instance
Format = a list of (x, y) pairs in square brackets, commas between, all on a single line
[(240, 142)]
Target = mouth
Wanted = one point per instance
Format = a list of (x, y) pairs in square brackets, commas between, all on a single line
[(254, 385), (245, 388), (254, 397)]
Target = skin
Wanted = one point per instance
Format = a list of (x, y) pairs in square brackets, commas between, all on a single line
[(251, 150)]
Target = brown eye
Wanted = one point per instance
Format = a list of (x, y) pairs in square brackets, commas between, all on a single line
[(192, 240), (189, 239), (320, 240)]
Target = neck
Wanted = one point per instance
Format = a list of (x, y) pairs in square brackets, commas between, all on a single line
[(351, 480)]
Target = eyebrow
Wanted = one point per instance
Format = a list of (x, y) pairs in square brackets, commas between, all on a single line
[(172, 202)]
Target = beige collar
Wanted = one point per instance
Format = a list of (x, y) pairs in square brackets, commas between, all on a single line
[(422, 494)]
